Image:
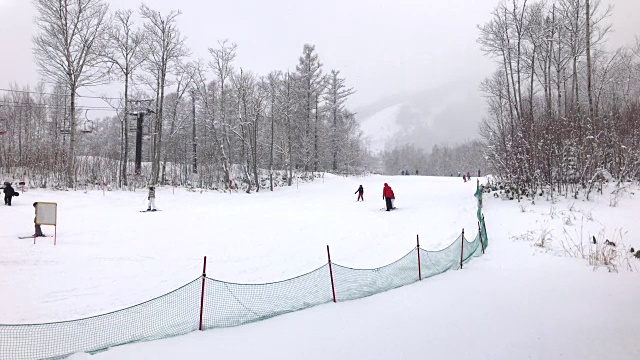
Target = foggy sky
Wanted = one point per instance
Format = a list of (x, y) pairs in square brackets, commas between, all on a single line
[(381, 47)]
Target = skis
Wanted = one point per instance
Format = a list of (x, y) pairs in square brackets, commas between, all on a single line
[(144, 211), (30, 237)]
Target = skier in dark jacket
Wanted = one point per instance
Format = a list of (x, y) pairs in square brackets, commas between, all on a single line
[(39, 232), (360, 193), (387, 195), (9, 192)]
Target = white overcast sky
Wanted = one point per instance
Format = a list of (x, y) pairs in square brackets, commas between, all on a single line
[(381, 47)]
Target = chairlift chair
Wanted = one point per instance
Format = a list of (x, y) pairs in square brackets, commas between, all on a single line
[(65, 127), (87, 125)]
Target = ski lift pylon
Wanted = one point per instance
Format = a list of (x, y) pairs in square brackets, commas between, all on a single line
[(133, 124)]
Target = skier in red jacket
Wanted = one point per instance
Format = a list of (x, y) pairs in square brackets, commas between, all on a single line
[(387, 195)]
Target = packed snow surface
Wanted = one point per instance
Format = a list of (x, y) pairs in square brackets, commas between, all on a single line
[(518, 301), (109, 255)]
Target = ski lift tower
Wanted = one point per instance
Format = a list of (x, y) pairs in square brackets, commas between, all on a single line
[(140, 114), (3, 125)]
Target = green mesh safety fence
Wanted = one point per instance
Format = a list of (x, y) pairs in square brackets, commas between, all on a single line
[(228, 304), (171, 314), (483, 231), (353, 284), (436, 262), (471, 248)]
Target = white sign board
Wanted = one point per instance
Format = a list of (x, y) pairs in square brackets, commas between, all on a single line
[(46, 213)]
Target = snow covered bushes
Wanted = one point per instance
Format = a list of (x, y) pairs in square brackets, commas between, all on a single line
[(570, 122)]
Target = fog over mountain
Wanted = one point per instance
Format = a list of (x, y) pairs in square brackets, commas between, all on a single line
[(445, 114)]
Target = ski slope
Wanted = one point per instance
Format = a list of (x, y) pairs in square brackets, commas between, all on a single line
[(517, 301), (109, 255)]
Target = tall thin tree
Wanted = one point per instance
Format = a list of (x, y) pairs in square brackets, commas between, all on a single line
[(165, 46), (68, 49), (124, 54)]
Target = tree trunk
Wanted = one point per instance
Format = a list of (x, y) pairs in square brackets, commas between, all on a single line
[(533, 61), (71, 173), (254, 145), (158, 134), (509, 63), (271, 145), (125, 136), (589, 72), (193, 133), (334, 135), (316, 159)]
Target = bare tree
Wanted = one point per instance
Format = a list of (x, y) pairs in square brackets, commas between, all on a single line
[(274, 78), (124, 54), (336, 96), (68, 49), (221, 65), (164, 47), (310, 81)]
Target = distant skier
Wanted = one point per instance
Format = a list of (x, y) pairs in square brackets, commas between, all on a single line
[(360, 193), (39, 232), (416, 171), (478, 172), (9, 192), (387, 195), (464, 177), (468, 176), (152, 199)]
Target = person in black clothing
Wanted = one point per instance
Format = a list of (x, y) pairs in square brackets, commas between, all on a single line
[(360, 193), (9, 192), (39, 232)]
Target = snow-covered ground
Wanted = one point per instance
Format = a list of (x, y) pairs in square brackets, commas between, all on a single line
[(252, 238), (518, 301)]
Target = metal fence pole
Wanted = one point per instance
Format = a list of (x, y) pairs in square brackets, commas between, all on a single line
[(418, 248), (333, 288), (480, 235), (204, 276), (462, 249)]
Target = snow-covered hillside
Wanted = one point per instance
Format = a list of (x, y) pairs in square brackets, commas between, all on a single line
[(517, 301), (448, 114), (380, 128)]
